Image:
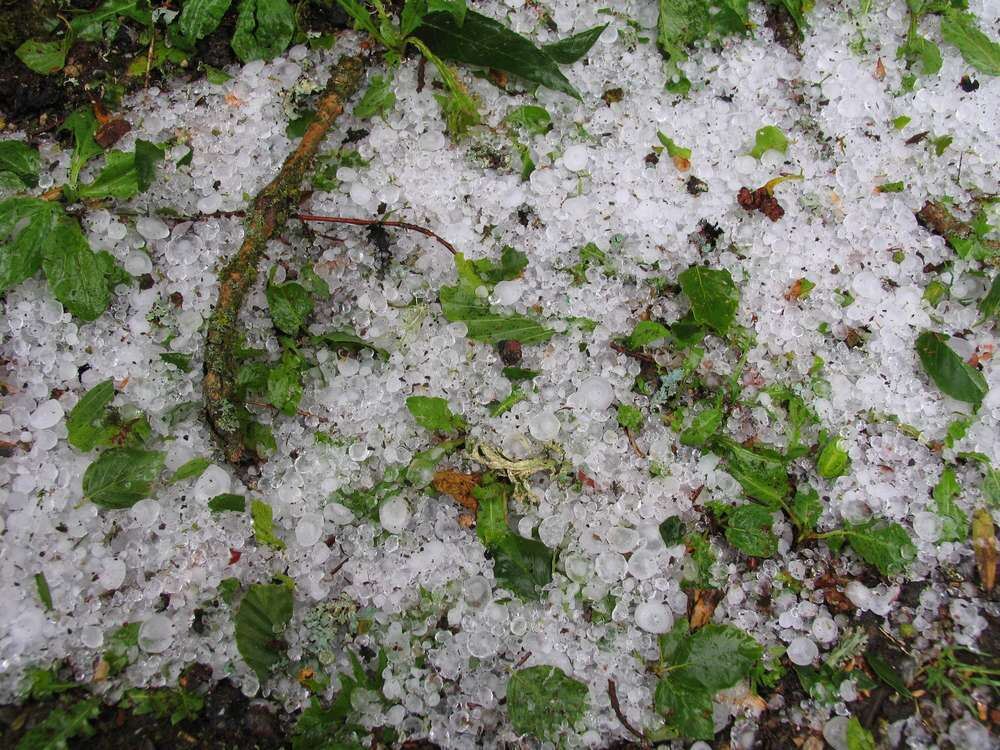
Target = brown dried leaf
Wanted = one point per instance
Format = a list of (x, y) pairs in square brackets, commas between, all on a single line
[(458, 485), (101, 671), (111, 132), (705, 601), (795, 290), (879, 70), (682, 164), (984, 545)]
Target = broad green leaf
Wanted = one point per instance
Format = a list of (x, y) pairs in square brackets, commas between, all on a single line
[(102, 23), (542, 700), (486, 42), (263, 525), (713, 295), (887, 673), (989, 306), (125, 174), (954, 522), (289, 304), (978, 50), (27, 226), (228, 502), (43, 57), (646, 332), (833, 460), (457, 8), (20, 160), (264, 29), (629, 417), (261, 619), (512, 264), (858, 738), (672, 531), (284, 383), (954, 377), (346, 340), (432, 413), (806, 508), (190, 469), (672, 148), (762, 473), (887, 546), (920, 49), (121, 477), (491, 511), (363, 20), (82, 124), (687, 709), (87, 424), (681, 23), (768, 138), (797, 9), (704, 425), (522, 565), (567, 51), (378, 99), (77, 276), (715, 657), (532, 118), (748, 528), (461, 304), (199, 18)]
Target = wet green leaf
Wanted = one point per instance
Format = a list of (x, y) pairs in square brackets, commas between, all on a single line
[(567, 51), (261, 619), (886, 546), (290, 304), (432, 413), (44, 594), (263, 525), (190, 469), (83, 125), (77, 276), (885, 672), (522, 565), (121, 477), (761, 472), (264, 29), (645, 333), (348, 341), (543, 700), (27, 229), (199, 18), (21, 161), (178, 359), (954, 522), (629, 417), (989, 306), (43, 57), (748, 528), (953, 376), (532, 118), (768, 138), (672, 148), (713, 296), (806, 508), (87, 423), (229, 502), (378, 99), (833, 460), (704, 425), (858, 738), (978, 50), (672, 531)]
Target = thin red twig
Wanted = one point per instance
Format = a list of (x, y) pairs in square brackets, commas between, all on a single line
[(372, 222), (641, 356), (616, 707)]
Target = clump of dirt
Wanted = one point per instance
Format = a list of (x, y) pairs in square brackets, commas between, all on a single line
[(761, 200)]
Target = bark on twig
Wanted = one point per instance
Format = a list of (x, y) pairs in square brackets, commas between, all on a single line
[(265, 217)]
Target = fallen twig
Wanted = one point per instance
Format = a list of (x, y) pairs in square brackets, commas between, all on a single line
[(272, 206), (379, 222), (616, 707)]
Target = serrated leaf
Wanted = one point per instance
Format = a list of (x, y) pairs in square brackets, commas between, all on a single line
[(629, 417), (542, 700), (748, 528), (199, 18), (102, 23), (704, 425), (262, 617), (284, 383), (121, 477), (264, 28), (713, 296), (567, 51), (954, 522), (263, 525), (886, 546), (22, 161), (645, 333), (378, 99), (43, 57), (768, 138), (76, 275), (289, 304), (481, 40), (190, 469), (806, 508), (433, 413), (532, 118), (491, 511), (687, 709), (125, 174), (762, 473), (978, 50), (953, 376), (27, 226)]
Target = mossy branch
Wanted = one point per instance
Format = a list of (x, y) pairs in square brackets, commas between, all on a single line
[(227, 414)]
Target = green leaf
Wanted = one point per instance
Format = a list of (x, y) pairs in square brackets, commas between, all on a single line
[(125, 174), (672, 148), (420, 472), (887, 546), (178, 359), (378, 99), (432, 413), (748, 528), (672, 531), (681, 23), (567, 51), (199, 18), (217, 77), (954, 522), (518, 374), (978, 50), (542, 700), (43, 57), (768, 138), (27, 226), (858, 738), (991, 487), (972, 248), (806, 509), (261, 619), (76, 275), (762, 473), (190, 469), (512, 265), (62, 725), (147, 156), (522, 565), (531, 118), (885, 672), (363, 20), (833, 460), (989, 306), (646, 332), (953, 376), (462, 304), (44, 594), (346, 340), (797, 9), (486, 42), (686, 708), (713, 295), (264, 28), (704, 425), (20, 160), (263, 529), (82, 124), (121, 477), (491, 511), (457, 8), (629, 417), (715, 657), (284, 383), (701, 575), (231, 502), (290, 304), (891, 187), (922, 50), (103, 23)]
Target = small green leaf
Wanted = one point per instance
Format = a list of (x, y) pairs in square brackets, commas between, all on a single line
[(704, 425), (378, 99), (941, 144), (20, 160), (833, 460), (629, 417), (858, 738), (290, 304), (887, 546), (901, 122), (954, 522), (76, 275), (491, 511), (806, 509), (978, 50), (522, 565), (44, 594), (190, 469), (432, 413), (263, 526), (230, 502), (512, 265), (672, 148), (954, 377), (646, 332), (178, 359), (672, 531), (83, 125), (43, 57), (567, 51), (543, 700), (713, 296), (262, 617), (768, 138), (199, 18), (284, 383), (532, 118), (346, 340), (922, 50), (762, 473), (264, 28), (461, 304), (27, 230), (121, 477), (216, 77), (885, 672), (87, 424), (748, 528), (891, 187), (519, 374)]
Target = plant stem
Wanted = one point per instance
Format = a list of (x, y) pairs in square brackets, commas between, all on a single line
[(227, 414)]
